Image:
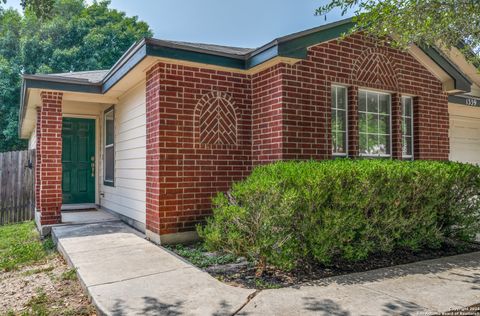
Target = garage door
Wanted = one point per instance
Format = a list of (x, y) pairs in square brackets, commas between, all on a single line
[(464, 139)]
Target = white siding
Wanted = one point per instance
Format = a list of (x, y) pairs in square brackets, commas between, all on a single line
[(127, 197), (32, 141), (464, 134), (81, 109)]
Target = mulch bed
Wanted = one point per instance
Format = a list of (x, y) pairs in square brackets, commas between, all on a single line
[(242, 273)]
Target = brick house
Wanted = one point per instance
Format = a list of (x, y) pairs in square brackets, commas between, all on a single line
[(172, 123)]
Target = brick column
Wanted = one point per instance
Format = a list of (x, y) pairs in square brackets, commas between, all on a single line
[(153, 155), (38, 160), (328, 122), (49, 158), (353, 132), (417, 124), (396, 126)]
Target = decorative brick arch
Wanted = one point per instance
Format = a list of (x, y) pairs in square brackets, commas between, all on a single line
[(374, 67), (216, 119)]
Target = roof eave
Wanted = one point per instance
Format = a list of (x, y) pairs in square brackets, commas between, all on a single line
[(60, 84), (461, 82), (290, 46)]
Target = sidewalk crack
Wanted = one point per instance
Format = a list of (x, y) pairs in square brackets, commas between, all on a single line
[(138, 277), (249, 298)]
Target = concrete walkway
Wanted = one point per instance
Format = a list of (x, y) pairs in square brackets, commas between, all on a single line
[(126, 275)]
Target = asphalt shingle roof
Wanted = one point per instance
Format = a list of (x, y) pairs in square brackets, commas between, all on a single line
[(93, 76), (215, 48), (96, 76)]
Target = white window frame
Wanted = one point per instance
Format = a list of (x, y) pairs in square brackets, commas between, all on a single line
[(345, 154), (105, 146), (403, 98), (390, 122)]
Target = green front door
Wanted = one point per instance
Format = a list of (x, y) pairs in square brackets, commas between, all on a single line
[(78, 160)]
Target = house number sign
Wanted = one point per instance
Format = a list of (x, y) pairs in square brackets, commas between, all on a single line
[(465, 100), (472, 102)]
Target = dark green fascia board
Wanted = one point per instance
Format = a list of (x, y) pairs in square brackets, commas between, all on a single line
[(193, 56), (62, 86), (461, 82), (464, 100), (262, 56), (138, 54), (296, 45)]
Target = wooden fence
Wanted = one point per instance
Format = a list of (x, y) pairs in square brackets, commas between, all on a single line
[(17, 195)]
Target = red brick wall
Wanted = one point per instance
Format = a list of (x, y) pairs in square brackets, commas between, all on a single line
[(154, 201), (207, 128), (359, 62), (306, 112), (38, 159), (267, 115), (191, 153), (49, 158)]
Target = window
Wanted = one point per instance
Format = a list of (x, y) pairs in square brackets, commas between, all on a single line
[(109, 154), (407, 127), (339, 120), (374, 123)]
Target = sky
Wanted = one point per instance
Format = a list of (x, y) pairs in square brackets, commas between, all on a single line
[(242, 23)]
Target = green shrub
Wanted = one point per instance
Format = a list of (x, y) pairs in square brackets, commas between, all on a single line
[(289, 213)]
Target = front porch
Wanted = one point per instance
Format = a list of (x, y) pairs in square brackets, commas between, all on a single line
[(68, 177), (91, 152), (79, 216)]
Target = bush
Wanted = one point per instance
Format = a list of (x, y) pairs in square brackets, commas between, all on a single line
[(289, 213)]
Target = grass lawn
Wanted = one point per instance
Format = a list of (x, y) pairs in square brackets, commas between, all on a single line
[(20, 245), (34, 279)]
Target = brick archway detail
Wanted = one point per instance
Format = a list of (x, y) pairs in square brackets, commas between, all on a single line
[(216, 119), (374, 67)]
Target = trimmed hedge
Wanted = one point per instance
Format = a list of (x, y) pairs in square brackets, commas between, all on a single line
[(288, 214)]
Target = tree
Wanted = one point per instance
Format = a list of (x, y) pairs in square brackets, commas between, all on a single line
[(10, 69), (446, 23), (41, 8), (76, 37)]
